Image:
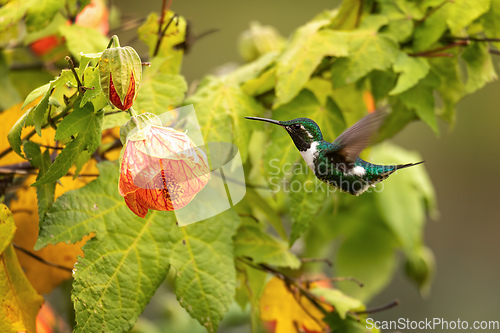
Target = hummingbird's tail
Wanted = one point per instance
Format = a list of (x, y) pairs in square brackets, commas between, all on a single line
[(402, 166)]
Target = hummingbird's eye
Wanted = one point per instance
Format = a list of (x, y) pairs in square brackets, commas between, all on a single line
[(295, 126)]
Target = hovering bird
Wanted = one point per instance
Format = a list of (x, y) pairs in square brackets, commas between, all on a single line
[(338, 163)]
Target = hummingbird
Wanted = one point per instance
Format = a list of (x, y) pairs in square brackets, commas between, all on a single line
[(338, 163)]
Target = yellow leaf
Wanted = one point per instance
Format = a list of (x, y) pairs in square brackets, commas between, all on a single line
[(43, 277), (289, 310), (7, 227), (24, 207), (19, 303)]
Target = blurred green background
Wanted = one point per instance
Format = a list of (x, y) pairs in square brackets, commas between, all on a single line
[(463, 163)]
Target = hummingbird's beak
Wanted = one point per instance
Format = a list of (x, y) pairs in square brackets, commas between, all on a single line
[(272, 121)]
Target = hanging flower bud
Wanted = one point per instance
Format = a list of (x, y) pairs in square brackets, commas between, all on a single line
[(161, 168), (120, 72)]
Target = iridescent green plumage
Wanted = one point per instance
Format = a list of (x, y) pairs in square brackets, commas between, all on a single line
[(338, 163)]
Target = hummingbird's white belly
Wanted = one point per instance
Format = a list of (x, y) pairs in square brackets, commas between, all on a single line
[(310, 154)]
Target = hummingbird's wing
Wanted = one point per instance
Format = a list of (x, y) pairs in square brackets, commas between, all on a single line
[(349, 144)]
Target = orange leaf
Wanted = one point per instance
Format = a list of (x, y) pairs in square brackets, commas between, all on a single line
[(369, 101), (49, 321), (19, 303), (289, 310)]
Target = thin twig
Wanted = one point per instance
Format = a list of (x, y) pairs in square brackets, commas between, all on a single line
[(72, 67), (62, 114), (164, 9), (434, 52), (323, 260), (249, 216), (493, 51), (432, 11), (379, 308), (336, 279), (475, 39), (34, 256), (113, 112)]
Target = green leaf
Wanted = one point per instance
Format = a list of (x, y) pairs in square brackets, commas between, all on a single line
[(350, 324), (159, 91), (401, 15), (251, 241), (421, 99), (91, 81), (129, 257), (114, 120), (13, 12), (299, 60), (261, 84), (340, 301), (82, 120), (8, 94), (39, 112), (450, 85), (221, 107), (406, 218), (80, 161), (347, 17), (430, 30), (173, 36), (261, 205), (381, 83), (480, 69), (14, 136), (349, 99), (461, 13), (368, 251), (46, 193), (307, 195), (491, 20), (88, 126), (367, 51), (205, 282), (254, 69), (41, 15), (411, 69), (250, 288), (83, 39), (420, 267)]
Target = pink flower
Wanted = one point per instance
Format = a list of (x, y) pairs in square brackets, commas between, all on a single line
[(161, 169)]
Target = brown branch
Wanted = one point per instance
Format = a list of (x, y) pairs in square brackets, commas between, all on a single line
[(475, 39), (289, 281), (493, 51), (323, 260), (434, 52), (164, 9), (336, 279)]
